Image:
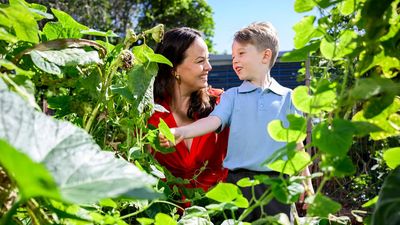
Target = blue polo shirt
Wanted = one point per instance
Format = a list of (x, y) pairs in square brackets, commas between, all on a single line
[(247, 110)]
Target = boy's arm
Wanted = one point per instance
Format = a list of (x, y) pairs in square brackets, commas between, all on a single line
[(195, 129)]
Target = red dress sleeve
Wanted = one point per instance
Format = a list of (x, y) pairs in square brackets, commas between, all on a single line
[(207, 151)]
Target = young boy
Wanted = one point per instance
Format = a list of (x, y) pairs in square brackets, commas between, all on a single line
[(248, 109)]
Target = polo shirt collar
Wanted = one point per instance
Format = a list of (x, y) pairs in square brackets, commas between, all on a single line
[(275, 87)]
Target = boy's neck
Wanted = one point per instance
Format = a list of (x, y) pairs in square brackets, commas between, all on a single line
[(263, 82)]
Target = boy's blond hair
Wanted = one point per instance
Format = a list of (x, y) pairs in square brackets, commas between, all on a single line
[(262, 35)]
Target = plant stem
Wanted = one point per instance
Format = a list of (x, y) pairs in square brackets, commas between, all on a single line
[(142, 210)]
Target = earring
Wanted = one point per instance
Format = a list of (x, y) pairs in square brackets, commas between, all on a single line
[(178, 78)]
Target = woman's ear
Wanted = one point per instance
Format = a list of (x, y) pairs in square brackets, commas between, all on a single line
[(267, 55)]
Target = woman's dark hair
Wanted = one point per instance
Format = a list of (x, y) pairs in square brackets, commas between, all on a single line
[(173, 47)]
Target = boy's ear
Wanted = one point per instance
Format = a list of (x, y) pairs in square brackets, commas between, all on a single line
[(267, 55)]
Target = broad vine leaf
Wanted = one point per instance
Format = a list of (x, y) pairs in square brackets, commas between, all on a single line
[(322, 206), (387, 209), (228, 193), (164, 219), (93, 32), (304, 5), (295, 132), (392, 157), (140, 84), (305, 31), (297, 162), (388, 120), (342, 47), (347, 7), (4, 35), (51, 60), (23, 22), (65, 27), (33, 179), (83, 172), (323, 99), (340, 166), (335, 138), (300, 54), (195, 215)]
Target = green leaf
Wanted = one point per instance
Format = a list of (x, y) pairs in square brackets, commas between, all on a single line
[(228, 193), (347, 7), (304, 5), (164, 219), (145, 221), (372, 86), (93, 32), (83, 172), (65, 27), (33, 179), (388, 120), (335, 138), (340, 166), (323, 99), (300, 54), (288, 149), (342, 47), (11, 66), (23, 22), (4, 35), (293, 165), (140, 83), (159, 59), (387, 209), (164, 130), (364, 128), (392, 157), (322, 206), (51, 60), (246, 182), (305, 31), (371, 202), (295, 132), (288, 193)]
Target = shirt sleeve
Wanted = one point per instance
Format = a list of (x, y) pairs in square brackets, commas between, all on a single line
[(225, 108)]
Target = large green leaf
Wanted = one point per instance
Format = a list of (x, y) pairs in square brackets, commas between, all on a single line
[(304, 5), (140, 83), (33, 180), (388, 120), (293, 165), (49, 61), (23, 22), (387, 209), (322, 206), (300, 54), (342, 47), (340, 166), (295, 132), (335, 138), (305, 31), (323, 99), (228, 193), (65, 27), (392, 157), (82, 171)]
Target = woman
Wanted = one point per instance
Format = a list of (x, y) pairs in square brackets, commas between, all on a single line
[(183, 91)]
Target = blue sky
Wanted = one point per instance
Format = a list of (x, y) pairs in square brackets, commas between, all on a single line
[(231, 15)]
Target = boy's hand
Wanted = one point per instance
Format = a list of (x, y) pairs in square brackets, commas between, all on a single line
[(167, 144)]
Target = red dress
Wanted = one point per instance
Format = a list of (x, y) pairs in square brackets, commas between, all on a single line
[(183, 163)]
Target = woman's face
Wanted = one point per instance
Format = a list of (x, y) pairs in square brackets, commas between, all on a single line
[(193, 71)]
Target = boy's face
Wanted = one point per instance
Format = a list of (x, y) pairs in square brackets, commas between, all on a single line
[(248, 62)]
